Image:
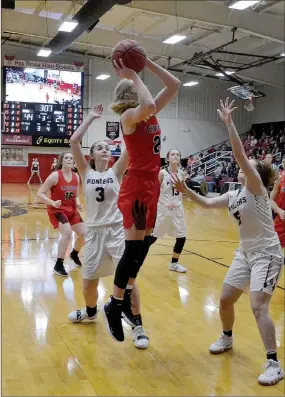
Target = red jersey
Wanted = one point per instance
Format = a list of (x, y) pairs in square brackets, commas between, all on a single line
[(143, 147), (66, 192), (280, 201)]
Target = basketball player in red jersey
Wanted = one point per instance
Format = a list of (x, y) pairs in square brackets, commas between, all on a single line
[(278, 205), (140, 188), (62, 207)]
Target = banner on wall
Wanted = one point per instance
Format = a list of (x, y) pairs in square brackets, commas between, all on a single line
[(24, 140), (78, 67), (115, 147), (50, 141), (112, 130), (14, 157)]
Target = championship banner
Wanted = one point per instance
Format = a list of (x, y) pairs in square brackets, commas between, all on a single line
[(51, 141), (115, 147), (112, 129), (76, 67), (23, 140), (14, 157)]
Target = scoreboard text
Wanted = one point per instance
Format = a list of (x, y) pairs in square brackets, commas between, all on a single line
[(41, 118)]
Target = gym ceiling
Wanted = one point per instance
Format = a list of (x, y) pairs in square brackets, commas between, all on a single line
[(248, 43)]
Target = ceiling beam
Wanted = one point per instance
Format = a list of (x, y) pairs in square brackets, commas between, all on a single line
[(262, 25), (39, 7), (269, 6)]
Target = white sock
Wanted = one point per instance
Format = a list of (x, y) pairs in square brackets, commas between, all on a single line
[(129, 286)]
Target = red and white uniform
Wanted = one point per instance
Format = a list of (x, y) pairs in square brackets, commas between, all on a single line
[(66, 192), (279, 225), (140, 188)]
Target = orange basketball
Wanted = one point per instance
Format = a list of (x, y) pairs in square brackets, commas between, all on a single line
[(132, 54)]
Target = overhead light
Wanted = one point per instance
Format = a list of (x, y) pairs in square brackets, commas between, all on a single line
[(102, 77), (68, 26), (44, 52), (282, 54), (228, 72), (190, 83), (174, 39), (243, 4)]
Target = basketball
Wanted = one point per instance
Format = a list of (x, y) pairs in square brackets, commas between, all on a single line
[(132, 54)]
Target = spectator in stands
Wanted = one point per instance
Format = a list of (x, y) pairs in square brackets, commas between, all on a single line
[(191, 161), (282, 168), (253, 142), (275, 149)]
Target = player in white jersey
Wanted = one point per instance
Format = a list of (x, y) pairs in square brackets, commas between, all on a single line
[(170, 212), (259, 258), (104, 238)]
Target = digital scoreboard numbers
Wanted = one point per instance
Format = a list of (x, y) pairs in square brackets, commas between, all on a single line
[(41, 118)]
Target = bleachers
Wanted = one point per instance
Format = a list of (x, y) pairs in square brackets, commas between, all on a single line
[(218, 166)]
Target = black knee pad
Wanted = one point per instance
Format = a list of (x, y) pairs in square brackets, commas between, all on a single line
[(128, 263), (152, 240), (178, 247), (143, 253)]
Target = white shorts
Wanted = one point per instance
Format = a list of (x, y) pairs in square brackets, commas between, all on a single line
[(104, 247), (256, 271), (170, 222)]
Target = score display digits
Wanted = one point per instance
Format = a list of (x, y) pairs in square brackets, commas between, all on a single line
[(41, 118)]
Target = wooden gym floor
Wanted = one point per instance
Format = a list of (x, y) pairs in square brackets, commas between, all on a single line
[(43, 354)]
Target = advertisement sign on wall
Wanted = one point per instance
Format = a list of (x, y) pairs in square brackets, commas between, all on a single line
[(14, 157), (50, 141), (24, 140), (115, 147)]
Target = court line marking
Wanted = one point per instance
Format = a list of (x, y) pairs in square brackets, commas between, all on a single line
[(211, 260)]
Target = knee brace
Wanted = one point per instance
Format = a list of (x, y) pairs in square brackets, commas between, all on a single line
[(128, 263), (152, 240), (178, 247), (145, 244)]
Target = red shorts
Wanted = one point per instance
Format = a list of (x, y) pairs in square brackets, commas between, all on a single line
[(279, 227), (57, 217), (138, 199)]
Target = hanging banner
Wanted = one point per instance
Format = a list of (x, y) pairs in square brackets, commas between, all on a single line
[(112, 130), (115, 147), (14, 157), (77, 67)]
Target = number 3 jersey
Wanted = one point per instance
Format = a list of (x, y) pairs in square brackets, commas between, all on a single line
[(101, 190), (254, 218), (66, 192)]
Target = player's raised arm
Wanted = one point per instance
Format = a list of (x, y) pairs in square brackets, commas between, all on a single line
[(171, 83), (120, 167), (273, 196), (76, 138), (131, 89), (253, 180), (205, 202)]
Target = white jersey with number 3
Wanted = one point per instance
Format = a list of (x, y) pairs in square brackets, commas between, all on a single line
[(254, 217), (101, 190), (168, 195)]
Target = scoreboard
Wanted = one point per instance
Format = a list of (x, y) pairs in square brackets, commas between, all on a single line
[(41, 118)]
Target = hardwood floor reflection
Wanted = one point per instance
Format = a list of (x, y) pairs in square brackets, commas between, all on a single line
[(43, 354)]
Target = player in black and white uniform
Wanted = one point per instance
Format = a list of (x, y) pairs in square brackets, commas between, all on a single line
[(104, 238), (35, 169), (170, 218), (258, 261)]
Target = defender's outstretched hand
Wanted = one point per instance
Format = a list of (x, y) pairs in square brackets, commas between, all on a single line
[(226, 110)]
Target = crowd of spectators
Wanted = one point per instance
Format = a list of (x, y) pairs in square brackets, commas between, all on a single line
[(266, 144)]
